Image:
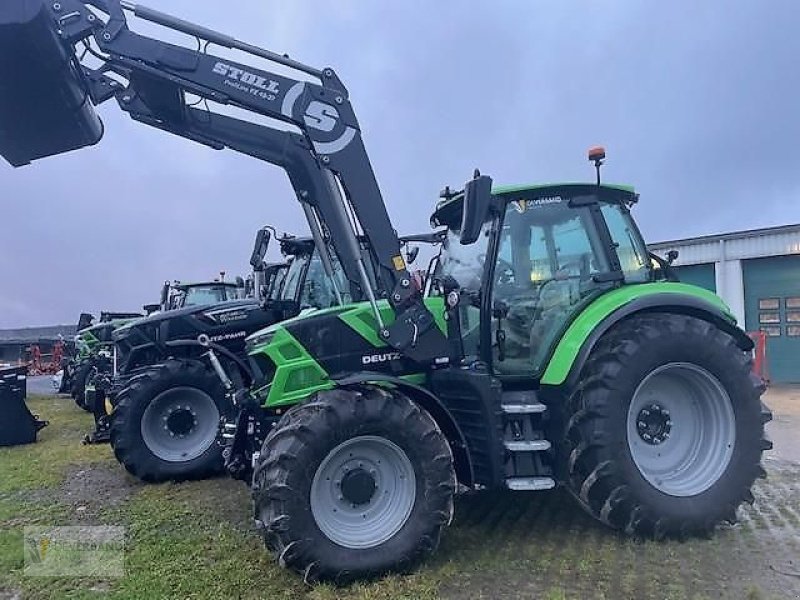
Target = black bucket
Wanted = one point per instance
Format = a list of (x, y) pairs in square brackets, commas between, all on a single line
[(44, 107), (17, 424)]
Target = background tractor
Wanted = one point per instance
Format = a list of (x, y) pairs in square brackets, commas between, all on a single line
[(94, 348), (167, 400), (175, 294), (94, 356), (555, 354)]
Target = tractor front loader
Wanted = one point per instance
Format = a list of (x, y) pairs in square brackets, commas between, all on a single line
[(553, 355)]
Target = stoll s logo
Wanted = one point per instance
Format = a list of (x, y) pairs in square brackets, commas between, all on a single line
[(242, 80), (371, 359)]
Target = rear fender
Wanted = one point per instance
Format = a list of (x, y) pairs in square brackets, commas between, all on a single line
[(576, 345)]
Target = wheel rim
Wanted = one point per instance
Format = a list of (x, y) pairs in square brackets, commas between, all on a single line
[(180, 424), (681, 429), (363, 492)]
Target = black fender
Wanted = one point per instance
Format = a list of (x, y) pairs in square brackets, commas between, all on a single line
[(666, 303), (428, 401)]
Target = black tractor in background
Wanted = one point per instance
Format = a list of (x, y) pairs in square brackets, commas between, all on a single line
[(161, 405)]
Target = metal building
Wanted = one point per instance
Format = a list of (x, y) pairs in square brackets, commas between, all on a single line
[(757, 272), (15, 344)]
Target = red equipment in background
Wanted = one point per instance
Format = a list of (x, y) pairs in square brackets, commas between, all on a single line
[(45, 364), (760, 355), (58, 354)]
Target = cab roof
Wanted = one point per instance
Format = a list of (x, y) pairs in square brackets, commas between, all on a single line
[(186, 286), (449, 211)]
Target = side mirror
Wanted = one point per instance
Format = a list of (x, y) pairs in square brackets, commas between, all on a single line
[(151, 308), (85, 320), (672, 256), (165, 293), (477, 201), (260, 249), (411, 254)]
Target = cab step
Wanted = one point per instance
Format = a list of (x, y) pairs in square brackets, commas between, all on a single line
[(527, 445), (530, 483)]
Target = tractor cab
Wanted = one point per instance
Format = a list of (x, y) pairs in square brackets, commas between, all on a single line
[(181, 295), (305, 284), (541, 254)]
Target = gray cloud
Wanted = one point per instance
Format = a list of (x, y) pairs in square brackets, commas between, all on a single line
[(696, 103)]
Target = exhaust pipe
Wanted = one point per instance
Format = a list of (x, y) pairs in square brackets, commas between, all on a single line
[(45, 107)]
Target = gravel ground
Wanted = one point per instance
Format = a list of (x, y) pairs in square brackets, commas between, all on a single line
[(784, 429), (41, 385), (501, 544)]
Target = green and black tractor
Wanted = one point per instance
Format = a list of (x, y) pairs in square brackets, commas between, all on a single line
[(572, 362), (555, 353), (93, 353)]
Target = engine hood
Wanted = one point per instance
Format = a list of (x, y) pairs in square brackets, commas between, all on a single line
[(191, 310)]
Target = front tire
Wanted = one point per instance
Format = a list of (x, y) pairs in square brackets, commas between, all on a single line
[(666, 428), (353, 484), (78, 386), (166, 420)]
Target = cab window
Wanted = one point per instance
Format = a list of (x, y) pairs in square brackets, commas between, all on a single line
[(631, 250), (547, 259)]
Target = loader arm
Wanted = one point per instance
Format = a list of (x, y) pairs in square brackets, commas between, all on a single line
[(327, 162)]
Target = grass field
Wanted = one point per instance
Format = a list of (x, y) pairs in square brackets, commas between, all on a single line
[(195, 540)]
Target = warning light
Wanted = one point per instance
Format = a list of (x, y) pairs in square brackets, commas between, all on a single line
[(597, 153)]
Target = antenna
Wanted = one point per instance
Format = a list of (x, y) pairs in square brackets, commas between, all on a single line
[(597, 155)]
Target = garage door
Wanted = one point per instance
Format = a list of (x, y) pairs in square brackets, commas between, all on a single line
[(700, 275), (772, 305)]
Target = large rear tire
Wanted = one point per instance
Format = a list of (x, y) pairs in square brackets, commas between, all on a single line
[(353, 484), (666, 428), (166, 421)]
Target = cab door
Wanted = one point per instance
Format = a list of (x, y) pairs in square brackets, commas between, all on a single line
[(547, 258)]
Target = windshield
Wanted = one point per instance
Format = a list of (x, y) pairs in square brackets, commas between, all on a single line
[(276, 282), (464, 263), (293, 277), (316, 290), (202, 295)]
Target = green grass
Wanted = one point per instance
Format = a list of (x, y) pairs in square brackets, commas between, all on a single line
[(194, 540)]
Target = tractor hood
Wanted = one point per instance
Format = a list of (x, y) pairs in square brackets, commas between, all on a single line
[(180, 313), (358, 317)]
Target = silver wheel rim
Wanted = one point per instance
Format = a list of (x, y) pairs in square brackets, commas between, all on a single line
[(681, 429), (341, 502), (180, 424)]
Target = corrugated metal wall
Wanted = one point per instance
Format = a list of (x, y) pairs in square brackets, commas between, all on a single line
[(752, 267), (750, 244)]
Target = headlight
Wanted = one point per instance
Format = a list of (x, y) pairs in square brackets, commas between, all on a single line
[(259, 339)]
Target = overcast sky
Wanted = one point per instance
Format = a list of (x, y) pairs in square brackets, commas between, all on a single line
[(697, 103)]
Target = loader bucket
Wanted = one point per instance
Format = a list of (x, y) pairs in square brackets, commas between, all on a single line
[(44, 106)]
